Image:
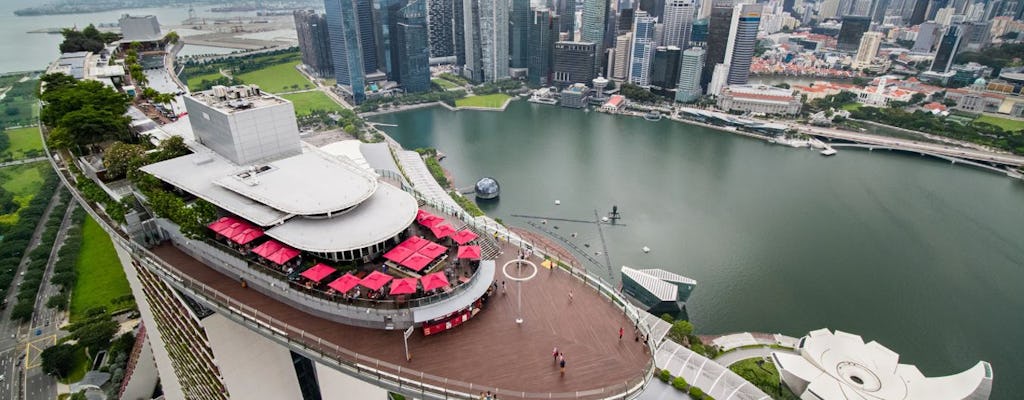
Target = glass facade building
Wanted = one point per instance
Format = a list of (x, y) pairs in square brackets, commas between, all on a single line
[(412, 54), (742, 40), (542, 35), (346, 47)]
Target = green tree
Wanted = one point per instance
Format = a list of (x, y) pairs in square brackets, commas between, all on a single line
[(58, 360), (121, 158), (680, 330), (95, 334)]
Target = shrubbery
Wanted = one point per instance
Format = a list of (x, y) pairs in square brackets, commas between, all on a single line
[(16, 237)]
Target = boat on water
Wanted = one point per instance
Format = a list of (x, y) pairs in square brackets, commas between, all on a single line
[(829, 152), (653, 116)]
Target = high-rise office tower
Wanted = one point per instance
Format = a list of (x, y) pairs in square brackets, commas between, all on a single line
[(678, 22), (787, 6), (926, 35), (844, 7), (861, 7), (699, 33), (868, 49), (542, 33), (384, 20), (573, 63), (665, 67), (473, 68), (367, 23), (739, 52), (595, 13), (974, 36), (314, 42), (688, 88), (458, 32), (654, 8), (518, 28), (919, 10), (411, 54), (440, 23), (948, 46), (828, 9), (622, 56), (567, 17), (719, 78), (933, 7), (642, 49), (494, 39), (718, 37), (878, 8), (625, 21), (853, 28), (346, 46)]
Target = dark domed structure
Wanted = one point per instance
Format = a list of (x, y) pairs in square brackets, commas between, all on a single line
[(487, 188)]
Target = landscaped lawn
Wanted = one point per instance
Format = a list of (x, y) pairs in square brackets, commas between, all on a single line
[(851, 106), (1005, 123), (81, 367), (277, 78), (23, 140), (195, 82), (495, 100), (100, 277), (21, 181), (444, 84), (306, 102), (765, 376)]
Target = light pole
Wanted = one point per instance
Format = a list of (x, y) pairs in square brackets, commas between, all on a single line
[(519, 279)]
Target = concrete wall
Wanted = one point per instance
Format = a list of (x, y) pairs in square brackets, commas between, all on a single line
[(145, 375), (335, 385), (253, 367)]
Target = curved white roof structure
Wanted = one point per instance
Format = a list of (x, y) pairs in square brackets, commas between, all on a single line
[(840, 366)]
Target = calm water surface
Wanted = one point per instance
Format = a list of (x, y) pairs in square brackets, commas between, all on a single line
[(920, 255)]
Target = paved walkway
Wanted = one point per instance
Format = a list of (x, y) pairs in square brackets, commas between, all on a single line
[(22, 161), (735, 356), (420, 177)]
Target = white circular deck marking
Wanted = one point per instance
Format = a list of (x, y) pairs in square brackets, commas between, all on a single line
[(504, 270)]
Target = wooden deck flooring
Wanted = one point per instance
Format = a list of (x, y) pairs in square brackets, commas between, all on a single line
[(491, 349)]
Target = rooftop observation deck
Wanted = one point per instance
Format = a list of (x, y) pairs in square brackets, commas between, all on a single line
[(488, 352)]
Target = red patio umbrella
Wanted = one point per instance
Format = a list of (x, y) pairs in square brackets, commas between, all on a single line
[(431, 221), (247, 235), (403, 286), (432, 250), (398, 254), (416, 262), (375, 280), (221, 223), (434, 281), (318, 272), (344, 284), (268, 248), (234, 229), (469, 252), (414, 243), (442, 230), (423, 214), (282, 256), (464, 236)]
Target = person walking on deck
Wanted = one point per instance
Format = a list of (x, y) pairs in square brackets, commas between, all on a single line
[(620, 333)]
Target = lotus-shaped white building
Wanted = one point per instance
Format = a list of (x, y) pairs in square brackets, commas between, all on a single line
[(840, 366)]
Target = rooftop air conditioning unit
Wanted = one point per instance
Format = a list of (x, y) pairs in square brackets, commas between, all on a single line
[(220, 91)]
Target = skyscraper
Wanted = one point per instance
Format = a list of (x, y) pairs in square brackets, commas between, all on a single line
[(473, 67), (367, 23), (411, 54), (654, 8), (440, 23), (542, 34), (573, 63), (718, 37), (595, 12), (853, 28), (567, 17), (926, 34), (625, 22), (642, 49), (947, 49), (622, 56), (346, 46), (739, 52), (458, 31), (917, 13), (518, 29), (494, 39), (678, 22), (688, 88), (665, 68), (878, 8), (868, 49), (314, 42)]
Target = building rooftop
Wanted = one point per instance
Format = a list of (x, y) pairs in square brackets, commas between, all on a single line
[(759, 92), (312, 183), (236, 98), (661, 289)]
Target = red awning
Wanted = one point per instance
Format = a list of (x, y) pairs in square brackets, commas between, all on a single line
[(464, 236), (318, 272), (442, 230), (432, 250), (221, 223), (234, 229), (268, 248), (423, 214), (434, 281), (403, 286), (431, 221), (375, 280), (344, 284), (247, 235), (414, 243), (282, 256), (469, 252), (417, 261), (398, 254)]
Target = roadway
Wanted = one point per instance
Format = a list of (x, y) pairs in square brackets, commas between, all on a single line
[(911, 145)]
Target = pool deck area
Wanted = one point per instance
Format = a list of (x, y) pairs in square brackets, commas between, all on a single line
[(490, 351)]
